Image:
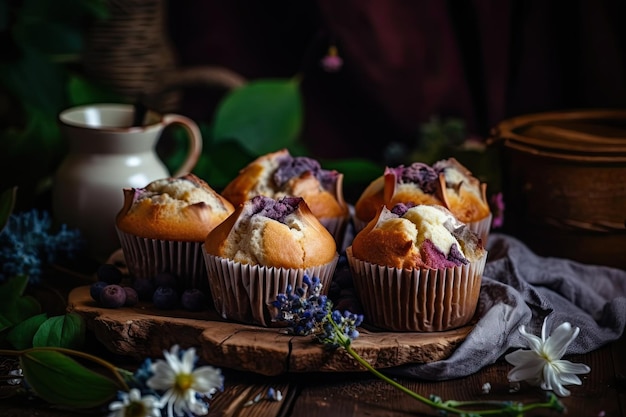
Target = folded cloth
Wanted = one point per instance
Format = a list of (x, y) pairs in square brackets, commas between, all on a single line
[(521, 288)]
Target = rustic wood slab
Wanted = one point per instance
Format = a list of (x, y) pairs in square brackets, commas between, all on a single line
[(143, 331)]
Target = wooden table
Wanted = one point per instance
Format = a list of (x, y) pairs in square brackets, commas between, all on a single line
[(330, 394), (354, 393)]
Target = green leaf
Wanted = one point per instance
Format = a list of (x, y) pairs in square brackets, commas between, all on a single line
[(7, 203), (21, 336), (15, 307), (355, 170), (66, 331), (37, 81), (60, 380), (262, 116), (83, 91), (223, 163)]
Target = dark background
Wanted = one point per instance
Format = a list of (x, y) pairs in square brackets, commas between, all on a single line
[(405, 61)]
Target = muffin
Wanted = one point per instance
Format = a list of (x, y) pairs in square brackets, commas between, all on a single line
[(260, 249), (279, 174), (446, 183), (417, 268), (162, 228)]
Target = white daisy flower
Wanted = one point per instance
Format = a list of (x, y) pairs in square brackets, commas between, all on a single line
[(132, 404), (542, 364), (183, 386)]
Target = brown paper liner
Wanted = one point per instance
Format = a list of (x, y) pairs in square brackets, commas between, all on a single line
[(242, 292), (145, 258), (415, 300), (336, 226), (481, 228)]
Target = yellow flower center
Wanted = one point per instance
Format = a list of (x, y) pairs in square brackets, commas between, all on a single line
[(184, 382)]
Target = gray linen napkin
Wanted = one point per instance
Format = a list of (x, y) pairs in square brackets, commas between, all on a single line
[(519, 287)]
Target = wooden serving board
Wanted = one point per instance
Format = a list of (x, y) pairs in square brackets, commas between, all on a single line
[(143, 331)]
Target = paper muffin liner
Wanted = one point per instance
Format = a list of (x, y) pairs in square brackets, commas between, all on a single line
[(242, 292), (481, 228), (417, 300), (337, 228), (145, 258)]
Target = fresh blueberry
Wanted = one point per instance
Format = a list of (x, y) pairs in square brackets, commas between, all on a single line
[(144, 288), (193, 300), (112, 296), (132, 298), (109, 273), (96, 289), (165, 298)]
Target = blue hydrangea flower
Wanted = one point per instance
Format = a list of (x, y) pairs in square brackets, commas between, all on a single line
[(27, 245)]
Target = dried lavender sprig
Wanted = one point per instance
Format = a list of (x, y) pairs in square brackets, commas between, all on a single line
[(335, 329)]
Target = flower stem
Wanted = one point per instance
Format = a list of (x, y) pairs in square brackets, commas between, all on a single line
[(500, 408)]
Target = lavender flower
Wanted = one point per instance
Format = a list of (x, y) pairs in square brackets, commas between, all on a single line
[(307, 311), (303, 307)]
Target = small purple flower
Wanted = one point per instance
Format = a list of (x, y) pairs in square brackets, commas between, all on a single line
[(332, 62), (497, 207)]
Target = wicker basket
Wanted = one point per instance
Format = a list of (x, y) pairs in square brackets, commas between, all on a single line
[(130, 53), (564, 182)]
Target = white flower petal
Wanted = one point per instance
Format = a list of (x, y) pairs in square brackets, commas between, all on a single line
[(559, 340), (172, 361), (544, 329), (116, 405), (534, 342), (542, 365), (552, 382), (207, 379), (571, 368), (532, 370), (163, 378), (149, 404), (570, 379), (188, 361), (520, 357)]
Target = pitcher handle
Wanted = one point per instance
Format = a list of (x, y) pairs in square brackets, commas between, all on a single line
[(195, 141)]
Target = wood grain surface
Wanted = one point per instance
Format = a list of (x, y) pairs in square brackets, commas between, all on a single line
[(144, 331)]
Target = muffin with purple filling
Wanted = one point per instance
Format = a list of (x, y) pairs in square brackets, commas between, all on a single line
[(260, 249), (446, 183), (417, 268), (279, 174)]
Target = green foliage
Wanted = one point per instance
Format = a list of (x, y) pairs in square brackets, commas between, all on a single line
[(14, 306), (43, 41), (61, 331), (445, 138), (262, 116), (437, 138), (24, 325), (21, 336), (60, 380)]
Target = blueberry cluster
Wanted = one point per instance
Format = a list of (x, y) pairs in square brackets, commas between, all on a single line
[(162, 291)]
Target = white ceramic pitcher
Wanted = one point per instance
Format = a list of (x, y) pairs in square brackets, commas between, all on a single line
[(107, 153)]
